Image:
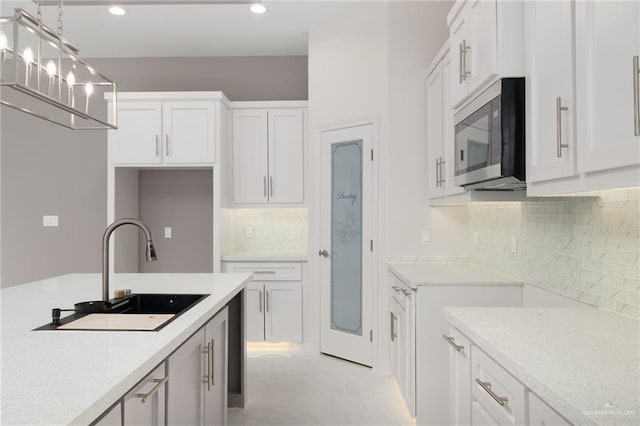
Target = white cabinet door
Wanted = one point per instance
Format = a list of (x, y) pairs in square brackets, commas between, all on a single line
[(112, 418), (215, 394), (255, 311), (480, 416), (398, 324), (137, 139), (435, 134), (145, 404), (283, 312), (549, 51), (188, 132), (286, 158), (250, 157), (459, 378), (185, 402), (481, 58), (448, 136), (607, 39), (459, 39), (540, 414)]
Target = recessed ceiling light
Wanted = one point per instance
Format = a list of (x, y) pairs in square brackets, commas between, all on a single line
[(258, 8), (117, 10)]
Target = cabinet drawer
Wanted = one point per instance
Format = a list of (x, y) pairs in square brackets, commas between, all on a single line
[(540, 414), (499, 393), (145, 403), (268, 271)]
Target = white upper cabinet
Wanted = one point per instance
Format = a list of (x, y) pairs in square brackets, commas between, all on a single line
[(268, 155), (440, 137), (551, 112), (188, 132), (165, 128), (582, 139), (486, 43), (608, 39), (137, 139)]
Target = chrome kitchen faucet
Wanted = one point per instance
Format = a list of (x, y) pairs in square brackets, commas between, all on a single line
[(150, 251)]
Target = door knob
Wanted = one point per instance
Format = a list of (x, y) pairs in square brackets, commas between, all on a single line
[(323, 253)]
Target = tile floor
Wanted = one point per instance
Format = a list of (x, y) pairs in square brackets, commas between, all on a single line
[(293, 387)]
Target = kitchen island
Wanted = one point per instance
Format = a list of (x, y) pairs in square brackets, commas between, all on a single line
[(73, 377)]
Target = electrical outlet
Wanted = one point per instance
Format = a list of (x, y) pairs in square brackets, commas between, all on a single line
[(248, 231), (167, 232), (50, 221), (476, 239), (514, 246), (425, 238)]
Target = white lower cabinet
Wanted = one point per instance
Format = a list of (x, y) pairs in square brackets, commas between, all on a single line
[(113, 417), (197, 386), (540, 414), (145, 404), (274, 300), (482, 392), (459, 377)]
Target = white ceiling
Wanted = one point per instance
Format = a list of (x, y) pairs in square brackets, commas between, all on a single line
[(189, 30)]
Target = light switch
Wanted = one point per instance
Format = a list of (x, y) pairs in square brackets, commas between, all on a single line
[(514, 246), (248, 231), (425, 237), (50, 221), (167, 232)]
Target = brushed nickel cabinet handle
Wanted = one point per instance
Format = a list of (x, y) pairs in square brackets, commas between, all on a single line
[(264, 272), (393, 335), (452, 343), (465, 50), (166, 146), (157, 145), (266, 304), (487, 387), (460, 56), (264, 186), (559, 109), (271, 186), (206, 378), (212, 373), (159, 383), (636, 96), (442, 179), (259, 300)]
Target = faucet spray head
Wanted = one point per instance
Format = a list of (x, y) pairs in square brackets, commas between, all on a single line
[(150, 252)]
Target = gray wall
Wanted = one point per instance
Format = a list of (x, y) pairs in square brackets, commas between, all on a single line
[(46, 169), (182, 200)]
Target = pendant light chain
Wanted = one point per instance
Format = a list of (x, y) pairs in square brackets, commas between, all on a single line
[(60, 8)]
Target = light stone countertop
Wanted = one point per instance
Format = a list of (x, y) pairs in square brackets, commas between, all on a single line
[(264, 257), (585, 363), (72, 377), (425, 274)]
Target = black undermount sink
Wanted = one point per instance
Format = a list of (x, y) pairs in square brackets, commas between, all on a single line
[(144, 304)]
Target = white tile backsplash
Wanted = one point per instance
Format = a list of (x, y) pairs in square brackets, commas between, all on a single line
[(586, 248), (275, 231)]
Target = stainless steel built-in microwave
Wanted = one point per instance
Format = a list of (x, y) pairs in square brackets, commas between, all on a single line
[(490, 139)]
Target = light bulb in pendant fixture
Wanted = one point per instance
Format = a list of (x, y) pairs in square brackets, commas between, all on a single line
[(71, 79), (88, 90), (258, 8), (3, 41), (27, 56), (51, 69)]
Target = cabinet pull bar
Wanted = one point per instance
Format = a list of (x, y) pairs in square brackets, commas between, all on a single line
[(487, 387), (391, 328), (271, 186), (465, 50), (442, 179), (452, 343), (212, 373), (264, 272), (636, 95), (158, 382), (259, 300), (157, 145), (461, 54), (266, 293), (437, 171), (166, 147), (264, 186), (206, 378), (559, 109)]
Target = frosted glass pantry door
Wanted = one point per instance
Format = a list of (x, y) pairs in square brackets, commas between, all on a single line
[(346, 251)]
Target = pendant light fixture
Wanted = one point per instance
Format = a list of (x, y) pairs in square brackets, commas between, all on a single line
[(42, 74)]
